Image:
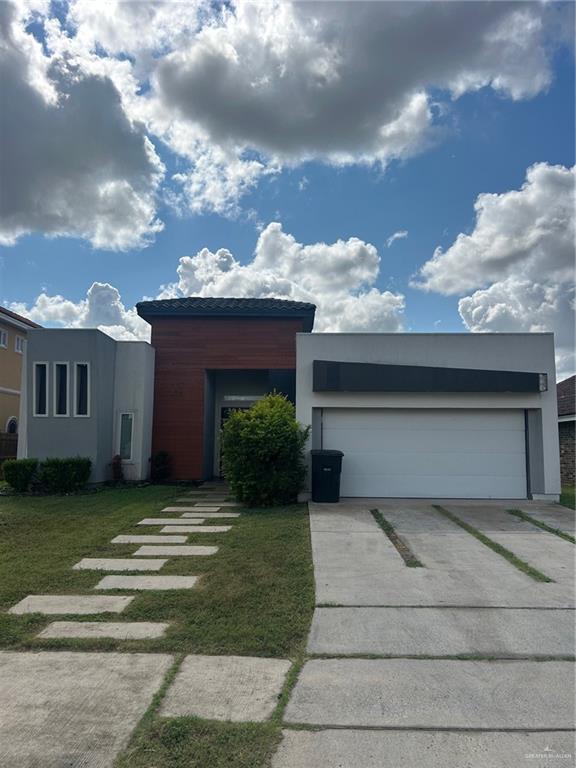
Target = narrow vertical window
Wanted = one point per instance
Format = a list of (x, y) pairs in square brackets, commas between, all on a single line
[(19, 344), (82, 390), (40, 389), (60, 389), (4, 339), (126, 424)]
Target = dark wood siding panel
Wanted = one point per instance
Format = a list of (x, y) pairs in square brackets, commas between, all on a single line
[(185, 349)]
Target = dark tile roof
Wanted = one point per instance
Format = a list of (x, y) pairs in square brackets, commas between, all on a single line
[(199, 306), (566, 391)]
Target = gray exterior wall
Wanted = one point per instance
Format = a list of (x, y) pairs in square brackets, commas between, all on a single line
[(134, 393), (118, 379), (506, 352)]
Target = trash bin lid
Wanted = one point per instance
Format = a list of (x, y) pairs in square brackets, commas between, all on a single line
[(322, 452)]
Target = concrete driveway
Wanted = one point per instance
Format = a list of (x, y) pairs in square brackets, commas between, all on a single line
[(463, 661)]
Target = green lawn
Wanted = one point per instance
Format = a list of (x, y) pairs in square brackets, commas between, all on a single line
[(568, 497), (255, 597)]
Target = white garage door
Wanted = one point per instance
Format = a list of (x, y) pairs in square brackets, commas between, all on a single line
[(428, 453)]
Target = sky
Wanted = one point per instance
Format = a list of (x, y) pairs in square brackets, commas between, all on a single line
[(406, 166)]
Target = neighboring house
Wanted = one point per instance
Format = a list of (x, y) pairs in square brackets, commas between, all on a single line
[(417, 415), (88, 395), (13, 333), (566, 421)]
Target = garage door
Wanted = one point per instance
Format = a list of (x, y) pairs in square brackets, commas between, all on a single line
[(428, 453)]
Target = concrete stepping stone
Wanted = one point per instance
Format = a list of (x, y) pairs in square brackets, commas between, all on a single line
[(145, 539), (119, 630), (196, 529), (332, 748), (207, 502), (71, 708), (221, 504), (418, 693), (232, 688), (207, 515), (167, 521), (80, 604), (147, 582), (118, 564), (171, 551), (191, 509)]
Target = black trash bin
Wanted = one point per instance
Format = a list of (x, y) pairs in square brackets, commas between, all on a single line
[(326, 469)]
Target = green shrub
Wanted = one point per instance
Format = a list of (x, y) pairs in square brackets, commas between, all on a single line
[(263, 452), (64, 475), (160, 467), (19, 473)]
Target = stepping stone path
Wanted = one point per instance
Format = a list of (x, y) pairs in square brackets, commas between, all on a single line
[(117, 564), (232, 688), (208, 514), (196, 529), (147, 582), (80, 604), (128, 630), (167, 521), (144, 539), (172, 551)]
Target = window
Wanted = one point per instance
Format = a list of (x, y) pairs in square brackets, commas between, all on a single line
[(19, 342), (3, 339), (126, 426), (60, 389), (40, 389), (82, 389)]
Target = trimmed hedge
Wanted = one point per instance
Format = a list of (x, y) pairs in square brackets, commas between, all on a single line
[(51, 475), (19, 473), (263, 453), (65, 475)]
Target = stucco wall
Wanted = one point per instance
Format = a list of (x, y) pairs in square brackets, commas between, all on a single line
[(134, 393), (511, 352), (56, 436), (121, 380)]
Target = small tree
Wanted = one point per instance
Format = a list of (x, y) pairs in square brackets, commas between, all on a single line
[(263, 452)]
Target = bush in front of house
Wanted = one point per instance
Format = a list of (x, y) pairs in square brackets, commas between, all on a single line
[(19, 473), (64, 475), (160, 467), (263, 453)]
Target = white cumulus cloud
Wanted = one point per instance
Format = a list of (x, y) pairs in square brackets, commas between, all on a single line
[(72, 162), (519, 261), (338, 277)]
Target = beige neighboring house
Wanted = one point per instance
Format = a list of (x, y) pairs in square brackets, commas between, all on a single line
[(13, 334)]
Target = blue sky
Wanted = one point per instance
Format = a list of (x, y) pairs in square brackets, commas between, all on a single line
[(477, 139)]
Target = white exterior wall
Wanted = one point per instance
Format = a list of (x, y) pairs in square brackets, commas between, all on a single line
[(507, 352), (134, 393)]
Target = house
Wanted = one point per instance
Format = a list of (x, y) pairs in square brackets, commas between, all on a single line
[(566, 419), (13, 333), (88, 395), (416, 415)]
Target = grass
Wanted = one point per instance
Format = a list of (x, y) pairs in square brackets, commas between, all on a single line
[(255, 597), (568, 497), (539, 524), (402, 548), (521, 565)]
